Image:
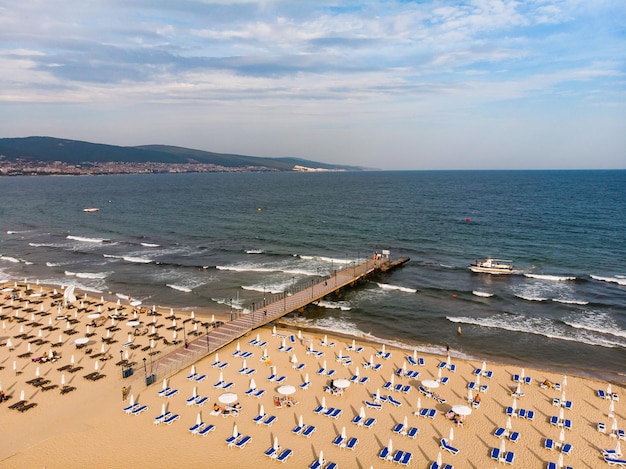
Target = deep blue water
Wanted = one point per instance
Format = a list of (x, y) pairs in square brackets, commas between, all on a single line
[(202, 241)]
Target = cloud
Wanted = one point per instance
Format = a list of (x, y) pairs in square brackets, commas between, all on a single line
[(375, 63)]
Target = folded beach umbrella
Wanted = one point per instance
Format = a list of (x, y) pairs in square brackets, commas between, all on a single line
[(60, 339), (419, 404), (383, 349), (439, 373), (362, 412), (174, 335), (154, 319), (559, 462), (283, 343), (72, 359), (390, 446), (405, 424), (193, 315), (198, 419), (276, 444), (195, 392), (244, 365), (483, 367), (611, 406), (274, 330), (217, 357), (502, 447), (262, 410), (294, 359), (391, 379), (357, 372), (522, 373), (28, 347), (95, 365), (164, 383), (301, 421), (343, 432), (235, 432), (478, 380), (306, 377), (451, 436), (321, 458), (252, 383), (299, 334), (618, 449), (63, 379), (324, 364), (126, 355), (325, 339), (102, 349), (609, 389), (22, 395), (212, 317), (403, 367), (353, 344), (221, 377), (508, 425), (37, 371), (561, 414), (40, 333), (470, 395), (195, 326), (415, 354), (163, 408), (108, 332), (258, 338), (238, 348), (562, 435), (9, 343), (323, 402), (563, 396), (439, 461)]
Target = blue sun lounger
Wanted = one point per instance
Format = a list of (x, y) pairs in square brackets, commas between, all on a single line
[(369, 422), (139, 410), (495, 454), (282, 457), (398, 456), (357, 420), (509, 457), (615, 462), (393, 401), (412, 433), (171, 419), (338, 440), (549, 444), (406, 459), (398, 428), (269, 420), (352, 442), (514, 437), (158, 420), (298, 429), (243, 442), (129, 409), (384, 453), (308, 431), (206, 430), (448, 447)]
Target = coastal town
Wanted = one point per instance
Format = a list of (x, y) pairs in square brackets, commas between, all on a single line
[(26, 167)]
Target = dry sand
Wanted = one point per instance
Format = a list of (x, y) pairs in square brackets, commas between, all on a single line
[(87, 427)]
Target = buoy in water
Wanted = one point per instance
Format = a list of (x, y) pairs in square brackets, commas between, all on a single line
[(468, 219), (458, 331), (454, 295), (258, 209)]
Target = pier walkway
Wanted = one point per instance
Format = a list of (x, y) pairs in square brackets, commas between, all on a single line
[(212, 339)]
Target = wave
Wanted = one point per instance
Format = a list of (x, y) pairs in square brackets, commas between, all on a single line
[(150, 245), (10, 259), (482, 294), (554, 278), (536, 326), (592, 328), (531, 298), (341, 305), (329, 260), (136, 260), (179, 288), (619, 279), (387, 286), (254, 251), (86, 240), (86, 274), (570, 302)]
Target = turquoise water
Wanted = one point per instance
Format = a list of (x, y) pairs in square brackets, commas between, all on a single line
[(204, 241)]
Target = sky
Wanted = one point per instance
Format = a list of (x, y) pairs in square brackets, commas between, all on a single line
[(386, 84)]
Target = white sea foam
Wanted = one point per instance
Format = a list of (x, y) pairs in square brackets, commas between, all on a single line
[(483, 294), (86, 274), (16, 232), (329, 260), (137, 260), (532, 298), (9, 259), (570, 302), (180, 288), (538, 326), (254, 251), (596, 322), (553, 278), (387, 286), (342, 305), (150, 245), (619, 279), (86, 240)]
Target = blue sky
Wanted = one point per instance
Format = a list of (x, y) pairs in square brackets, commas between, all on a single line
[(389, 84)]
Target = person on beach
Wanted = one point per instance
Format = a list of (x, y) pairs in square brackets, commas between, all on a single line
[(124, 393)]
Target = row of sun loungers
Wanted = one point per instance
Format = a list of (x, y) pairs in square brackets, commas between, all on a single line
[(400, 457), (502, 433), (400, 429), (242, 354), (135, 409), (167, 418), (507, 457), (201, 429), (412, 361), (23, 406), (522, 413), (604, 395), (551, 444), (95, 376), (557, 422), (197, 400), (407, 373), (238, 441), (304, 430), (348, 443), (364, 422), (276, 455)]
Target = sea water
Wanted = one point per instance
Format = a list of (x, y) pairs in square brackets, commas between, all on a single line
[(228, 242)]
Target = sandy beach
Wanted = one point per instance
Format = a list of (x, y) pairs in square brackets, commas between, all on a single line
[(87, 425)]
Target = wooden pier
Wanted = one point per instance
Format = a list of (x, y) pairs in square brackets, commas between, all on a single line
[(212, 339)]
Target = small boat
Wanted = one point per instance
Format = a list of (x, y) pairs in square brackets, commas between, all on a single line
[(492, 266), (91, 209)]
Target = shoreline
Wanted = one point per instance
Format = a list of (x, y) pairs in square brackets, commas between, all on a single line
[(70, 430)]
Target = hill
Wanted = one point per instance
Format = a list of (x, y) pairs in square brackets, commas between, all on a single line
[(75, 152)]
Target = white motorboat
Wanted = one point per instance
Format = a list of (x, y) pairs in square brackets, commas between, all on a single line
[(492, 266)]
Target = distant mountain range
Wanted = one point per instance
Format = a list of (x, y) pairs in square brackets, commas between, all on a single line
[(74, 152)]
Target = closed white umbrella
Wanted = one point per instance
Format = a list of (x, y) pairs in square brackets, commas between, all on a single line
[(559, 462), (561, 414), (60, 339), (95, 365), (294, 359), (164, 383), (483, 367), (9, 343), (343, 432), (22, 395), (562, 435), (63, 380), (193, 315), (362, 412), (306, 377), (244, 365), (299, 334), (323, 402), (522, 373), (217, 357), (262, 410), (470, 395), (405, 424), (252, 383), (102, 349), (451, 436), (163, 406), (419, 404), (126, 355), (321, 458), (238, 348), (37, 371), (357, 372), (609, 390), (508, 426), (195, 392), (391, 379), (276, 444), (502, 447), (72, 359), (439, 461), (618, 449), (390, 446), (235, 432), (301, 421)]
